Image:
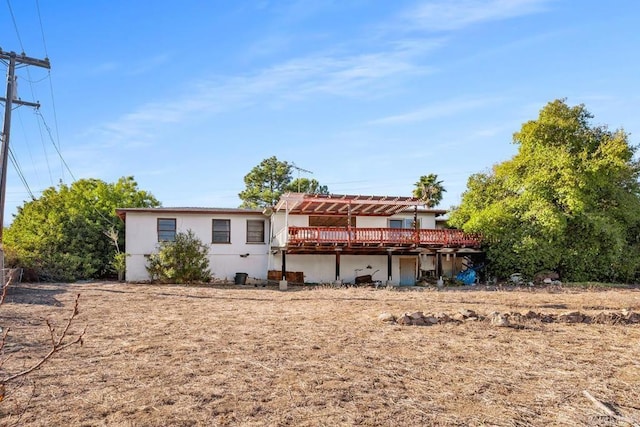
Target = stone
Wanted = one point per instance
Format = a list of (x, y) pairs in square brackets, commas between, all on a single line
[(468, 313), (430, 320), (443, 317), (387, 317), (459, 317), (630, 316), (571, 317), (500, 320), (404, 320), (416, 315), (418, 322)]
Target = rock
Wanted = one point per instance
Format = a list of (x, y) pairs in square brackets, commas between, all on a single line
[(547, 318), (630, 316), (418, 322), (529, 314), (468, 313), (500, 320), (430, 320), (443, 317), (605, 318), (571, 317), (547, 281), (404, 320), (387, 317), (458, 317), (416, 315)]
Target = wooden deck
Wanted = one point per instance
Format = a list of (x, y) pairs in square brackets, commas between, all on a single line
[(381, 237)]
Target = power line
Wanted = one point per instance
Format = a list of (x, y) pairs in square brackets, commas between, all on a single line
[(18, 169), (48, 129), (53, 101), (15, 25), (44, 43), (24, 132)]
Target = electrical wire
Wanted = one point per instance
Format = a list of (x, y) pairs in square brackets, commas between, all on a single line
[(44, 42), (14, 161), (15, 25), (24, 133), (48, 129), (53, 101)]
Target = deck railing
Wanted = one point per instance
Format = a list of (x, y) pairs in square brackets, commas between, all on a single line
[(381, 236)]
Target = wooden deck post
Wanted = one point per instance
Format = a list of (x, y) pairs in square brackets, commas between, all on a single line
[(338, 265), (389, 275), (283, 282)]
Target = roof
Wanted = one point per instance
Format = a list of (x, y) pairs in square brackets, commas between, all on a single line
[(122, 212), (342, 204)]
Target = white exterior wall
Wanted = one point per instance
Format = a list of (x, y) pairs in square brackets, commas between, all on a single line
[(279, 230), (322, 268), (224, 259)]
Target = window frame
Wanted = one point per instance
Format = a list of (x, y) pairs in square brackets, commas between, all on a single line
[(214, 231), (406, 223), (249, 232), (166, 234)]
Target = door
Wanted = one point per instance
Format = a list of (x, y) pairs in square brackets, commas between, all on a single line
[(407, 271)]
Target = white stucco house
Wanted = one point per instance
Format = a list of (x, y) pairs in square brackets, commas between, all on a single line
[(238, 239), (322, 238)]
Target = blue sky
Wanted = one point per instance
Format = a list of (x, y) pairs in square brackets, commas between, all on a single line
[(367, 94)]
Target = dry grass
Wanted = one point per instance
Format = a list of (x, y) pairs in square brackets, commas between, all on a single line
[(182, 356)]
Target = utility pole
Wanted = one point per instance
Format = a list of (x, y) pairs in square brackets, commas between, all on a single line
[(10, 99)]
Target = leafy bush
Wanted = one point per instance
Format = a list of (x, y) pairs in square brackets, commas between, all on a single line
[(61, 235), (568, 201), (183, 260)]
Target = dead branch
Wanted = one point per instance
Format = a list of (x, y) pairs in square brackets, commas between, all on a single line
[(57, 344), (5, 286), (608, 411)]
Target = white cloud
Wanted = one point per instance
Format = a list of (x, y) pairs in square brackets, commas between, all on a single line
[(335, 73), (436, 111), (447, 15)]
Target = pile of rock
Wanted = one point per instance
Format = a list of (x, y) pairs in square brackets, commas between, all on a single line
[(418, 318)]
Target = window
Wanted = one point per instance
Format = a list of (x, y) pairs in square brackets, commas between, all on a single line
[(403, 223), (255, 231), (166, 229), (221, 231)]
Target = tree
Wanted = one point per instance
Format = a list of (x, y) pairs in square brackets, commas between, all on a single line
[(265, 183), (183, 260), (569, 201), (429, 190), (61, 235), (305, 185)]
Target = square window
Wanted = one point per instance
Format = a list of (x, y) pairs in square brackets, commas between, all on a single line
[(255, 231), (166, 229), (221, 231)]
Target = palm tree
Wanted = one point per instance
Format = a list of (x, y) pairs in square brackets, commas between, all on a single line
[(429, 190)]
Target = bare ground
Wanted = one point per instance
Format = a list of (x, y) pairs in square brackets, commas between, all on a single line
[(200, 356)]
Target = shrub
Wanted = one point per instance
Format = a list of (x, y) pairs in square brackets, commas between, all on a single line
[(183, 260)]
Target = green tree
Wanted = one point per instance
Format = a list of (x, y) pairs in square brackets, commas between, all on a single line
[(429, 189), (305, 185), (569, 201), (265, 183), (183, 260), (61, 235)]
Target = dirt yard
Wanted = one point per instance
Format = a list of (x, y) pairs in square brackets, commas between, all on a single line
[(208, 356)]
